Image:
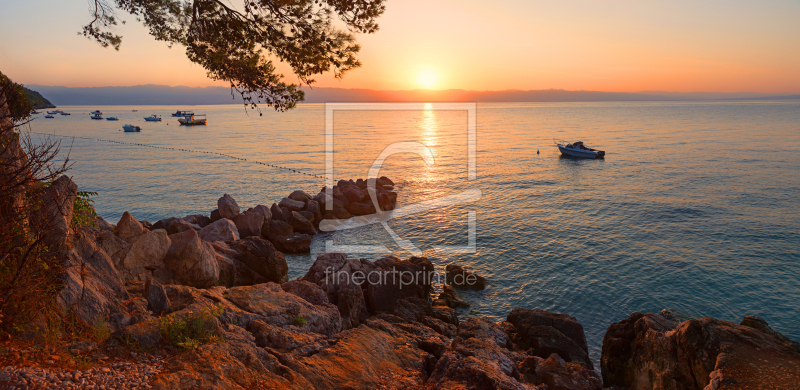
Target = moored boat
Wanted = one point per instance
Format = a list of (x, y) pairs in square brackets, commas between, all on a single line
[(182, 113), (49, 116), (96, 117), (578, 149), (153, 118), (131, 129), (96, 113), (193, 120), (112, 118), (54, 112), (65, 113)]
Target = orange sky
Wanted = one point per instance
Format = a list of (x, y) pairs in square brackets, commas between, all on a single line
[(677, 45)]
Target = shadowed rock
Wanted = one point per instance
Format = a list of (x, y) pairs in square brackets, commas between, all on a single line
[(227, 207)]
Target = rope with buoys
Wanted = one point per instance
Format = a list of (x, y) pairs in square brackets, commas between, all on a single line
[(175, 149)]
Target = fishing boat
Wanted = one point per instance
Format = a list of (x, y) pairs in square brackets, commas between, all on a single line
[(96, 117), (193, 120), (49, 116), (134, 110), (131, 129), (96, 113), (578, 149), (153, 118), (65, 113), (112, 118), (182, 113)]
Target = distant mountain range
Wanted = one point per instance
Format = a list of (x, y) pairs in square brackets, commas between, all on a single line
[(164, 95)]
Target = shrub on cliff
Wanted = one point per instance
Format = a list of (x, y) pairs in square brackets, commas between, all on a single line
[(32, 215)]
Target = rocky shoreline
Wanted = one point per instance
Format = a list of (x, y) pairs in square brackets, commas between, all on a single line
[(206, 303)]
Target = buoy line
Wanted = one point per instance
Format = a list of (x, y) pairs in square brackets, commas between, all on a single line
[(177, 149)]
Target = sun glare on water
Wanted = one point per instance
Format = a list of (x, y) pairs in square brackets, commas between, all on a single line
[(426, 79)]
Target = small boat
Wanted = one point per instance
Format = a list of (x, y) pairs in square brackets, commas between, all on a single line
[(34, 112), (49, 116), (131, 129), (112, 118), (65, 113), (96, 117), (134, 110), (96, 113), (54, 112), (153, 118), (193, 120), (578, 149), (182, 113)]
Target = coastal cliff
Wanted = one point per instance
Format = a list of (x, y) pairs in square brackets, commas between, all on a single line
[(203, 302)]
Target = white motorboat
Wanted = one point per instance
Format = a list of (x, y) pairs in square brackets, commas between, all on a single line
[(578, 149), (131, 129), (153, 118)]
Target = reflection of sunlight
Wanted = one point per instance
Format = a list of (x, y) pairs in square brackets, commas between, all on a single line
[(429, 126), (429, 135)]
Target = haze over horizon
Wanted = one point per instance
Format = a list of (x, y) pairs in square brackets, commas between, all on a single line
[(612, 46)]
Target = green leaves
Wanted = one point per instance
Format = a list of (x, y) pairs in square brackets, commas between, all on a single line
[(238, 45)]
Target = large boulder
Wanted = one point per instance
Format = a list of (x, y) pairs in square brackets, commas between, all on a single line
[(451, 298), (157, 300), (128, 227), (306, 290), (261, 256), (544, 333), (220, 230), (402, 279), (278, 214), (360, 287), (292, 243), (175, 225), (300, 195), (192, 260), (91, 288), (314, 208), (361, 208), (58, 200), (291, 204), (145, 255), (249, 223), (227, 207), (648, 351), (198, 219), (233, 272), (456, 275), (340, 278), (301, 224), (353, 194), (277, 307)]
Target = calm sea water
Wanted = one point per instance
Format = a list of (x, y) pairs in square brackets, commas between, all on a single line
[(695, 207)]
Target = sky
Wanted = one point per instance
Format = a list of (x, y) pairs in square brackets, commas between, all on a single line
[(603, 45)]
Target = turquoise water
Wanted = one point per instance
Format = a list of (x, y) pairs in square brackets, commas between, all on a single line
[(695, 207)]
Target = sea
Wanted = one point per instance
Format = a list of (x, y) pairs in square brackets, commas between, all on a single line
[(694, 209)]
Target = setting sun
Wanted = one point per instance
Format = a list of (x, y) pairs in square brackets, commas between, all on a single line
[(426, 79)]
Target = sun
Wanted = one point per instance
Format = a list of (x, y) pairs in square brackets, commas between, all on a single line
[(427, 79)]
